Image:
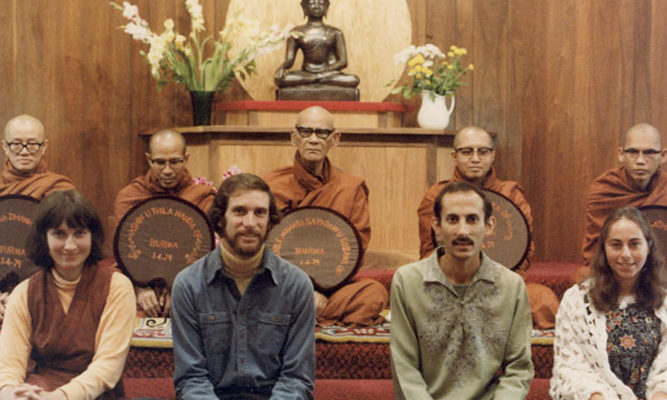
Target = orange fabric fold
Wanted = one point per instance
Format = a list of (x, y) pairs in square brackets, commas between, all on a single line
[(614, 189), (294, 187), (37, 184), (359, 303), (146, 186)]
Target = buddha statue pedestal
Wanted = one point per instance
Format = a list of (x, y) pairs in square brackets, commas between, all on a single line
[(318, 92), (347, 114)]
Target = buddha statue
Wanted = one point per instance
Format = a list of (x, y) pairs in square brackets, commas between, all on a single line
[(324, 57)]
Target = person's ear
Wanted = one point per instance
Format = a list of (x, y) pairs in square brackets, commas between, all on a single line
[(186, 157), (294, 137), (335, 138)]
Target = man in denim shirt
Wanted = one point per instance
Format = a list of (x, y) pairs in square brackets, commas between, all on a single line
[(243, 319)]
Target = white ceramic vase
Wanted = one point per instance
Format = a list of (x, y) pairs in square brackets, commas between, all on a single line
[(434, 113)]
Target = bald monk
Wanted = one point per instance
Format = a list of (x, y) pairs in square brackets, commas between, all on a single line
[(313, 181), (639, 181), (473, 155), (168, 175), (25, 170)]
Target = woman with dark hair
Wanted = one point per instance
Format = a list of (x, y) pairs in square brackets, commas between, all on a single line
[(611, 330), (67, 328)]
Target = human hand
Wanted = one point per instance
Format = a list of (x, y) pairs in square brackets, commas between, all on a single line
[(148, 301), (596, 396), (320, 302), (22, 391), (280, 74), (165, 300), (659, 396), (3, 304), (55, 395)]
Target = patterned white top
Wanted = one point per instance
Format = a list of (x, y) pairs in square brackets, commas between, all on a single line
[(581, 363)]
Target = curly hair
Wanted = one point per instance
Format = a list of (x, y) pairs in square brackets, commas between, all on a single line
[(72, 208), (651, 284), (240, 182)]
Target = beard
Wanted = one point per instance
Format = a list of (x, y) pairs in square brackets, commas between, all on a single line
[(245, 250)]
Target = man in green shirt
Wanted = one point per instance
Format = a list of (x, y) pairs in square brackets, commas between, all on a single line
[(460, 322)]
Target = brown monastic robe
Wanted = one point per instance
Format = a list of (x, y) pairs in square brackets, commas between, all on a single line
[(63, 345), (146, 186), (37, 184), (360, 301), (543, 301), (614, 189)]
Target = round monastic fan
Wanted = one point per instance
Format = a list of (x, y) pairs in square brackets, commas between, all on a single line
[(159, 237), (321, 242), (16, 214), (374, 31)]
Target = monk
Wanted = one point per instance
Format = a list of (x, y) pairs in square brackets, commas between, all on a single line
[(473, 154), (25, 170), (639, 181), (168, 175), (313, 181)]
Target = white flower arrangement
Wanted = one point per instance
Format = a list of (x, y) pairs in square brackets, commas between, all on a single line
[(174, 58)]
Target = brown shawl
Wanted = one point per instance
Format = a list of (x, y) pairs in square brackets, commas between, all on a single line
[(614, 189), (36, 184), (294, 187), (146, 186)]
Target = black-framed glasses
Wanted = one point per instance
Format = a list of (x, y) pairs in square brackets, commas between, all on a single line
[(648, 153), (173, 162), (17, 146), (322, 133), (467, 152)]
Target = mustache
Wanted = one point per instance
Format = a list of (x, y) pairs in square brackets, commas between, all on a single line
[(462, 240)]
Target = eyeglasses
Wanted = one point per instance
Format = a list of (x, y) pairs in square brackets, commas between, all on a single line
[(633, 153), (17, 146), (467, 152), (322, 133), (173, 162)]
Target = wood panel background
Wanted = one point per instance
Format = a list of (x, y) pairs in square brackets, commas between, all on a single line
[(558, 80)]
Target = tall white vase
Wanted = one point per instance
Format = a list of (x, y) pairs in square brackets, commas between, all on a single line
[(434, 113)]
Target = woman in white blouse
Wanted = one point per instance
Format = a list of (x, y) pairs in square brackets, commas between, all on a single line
[(611, 330)]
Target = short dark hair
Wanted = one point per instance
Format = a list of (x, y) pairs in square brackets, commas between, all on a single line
[(75, 210), (240, 182), (461, 187), (651, 284)]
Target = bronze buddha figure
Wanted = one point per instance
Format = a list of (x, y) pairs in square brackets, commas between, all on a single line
[(324, 57)]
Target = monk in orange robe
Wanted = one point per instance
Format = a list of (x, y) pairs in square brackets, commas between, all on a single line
[(168, 175), (313, 181), (473, 155), (25, 171), (639, 181)]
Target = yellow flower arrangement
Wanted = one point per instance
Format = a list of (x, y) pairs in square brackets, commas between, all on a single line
[(431, 70), (201, 65)]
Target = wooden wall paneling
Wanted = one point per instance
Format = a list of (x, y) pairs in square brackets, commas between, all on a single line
[(394, 197), (491, 86), (635, 34), (8, 71), (142, 90), (657, 69), (66, 92), (465, 16), (527, 37)]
